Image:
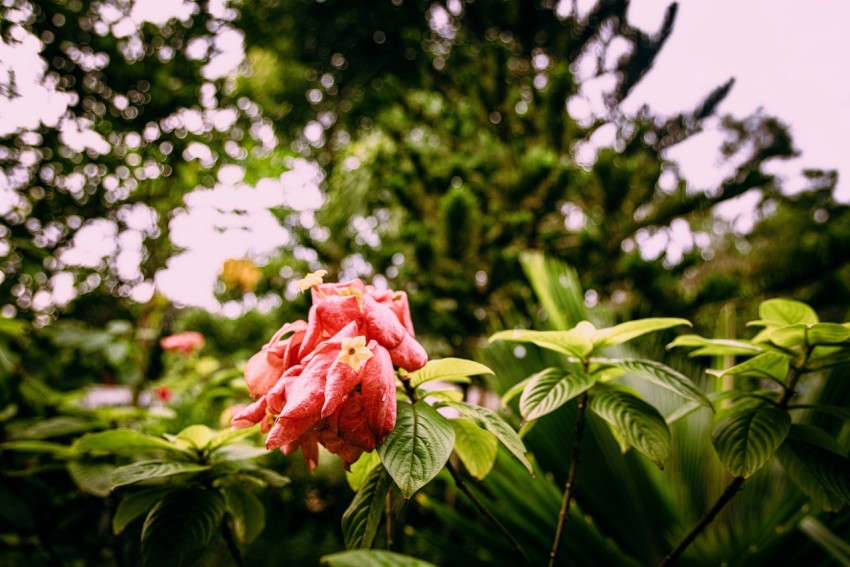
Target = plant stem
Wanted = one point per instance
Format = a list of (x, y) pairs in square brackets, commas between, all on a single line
[(232, 547), (571, 478), (390, 519), (793, 376), (486, 511)]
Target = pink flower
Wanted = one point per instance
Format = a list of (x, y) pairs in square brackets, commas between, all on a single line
[(185, 343), (332, 380)]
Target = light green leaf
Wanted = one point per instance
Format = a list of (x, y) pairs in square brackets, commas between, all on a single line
[(361, 469), (443, 368), (635, 421), (180, 526), (237, 452), (124, 442), (195, 437), (629, 330), (58, 426), (476, 447), (662, 375), (372, 558), (770, 365), (809, 455), (515, 390), (443, 395), (809, 335), (747, 434), (92, 478), (134, 505), (715, 347), (489, 420), (416, 450), (361, 520), (550, 389), (570, 343), (231, 436), (58, 450), (782, 312), (247, 513), (146, 470)]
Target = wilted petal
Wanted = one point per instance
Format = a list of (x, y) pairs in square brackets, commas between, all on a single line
[(378, 390), (409, 354), (287, 430)]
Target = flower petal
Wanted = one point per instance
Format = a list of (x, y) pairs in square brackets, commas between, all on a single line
[(287, 430), (378, 389), (341, 380), (409, 354)]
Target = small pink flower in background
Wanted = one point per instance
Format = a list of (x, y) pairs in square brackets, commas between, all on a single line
[(185, 343), (332, 380)]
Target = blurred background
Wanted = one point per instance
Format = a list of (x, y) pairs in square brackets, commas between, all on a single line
[(171, 166)]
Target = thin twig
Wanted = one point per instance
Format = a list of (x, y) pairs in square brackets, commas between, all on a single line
[(390, 519), (571, 478), (486, 511), (232, 547)]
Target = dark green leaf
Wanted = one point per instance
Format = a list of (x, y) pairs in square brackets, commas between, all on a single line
[(361, 520), (416, 450), (34, 446), (633, 421), (489, 420), (813, 461), (134, 505), (747, 434), (443, 368), (247, 514), (372, 558), (515, 390), (180, 526), (476, 447), (550, 389), (147, 470)]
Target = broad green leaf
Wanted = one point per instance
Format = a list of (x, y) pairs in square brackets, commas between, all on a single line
[(58, 426), (443, 368), (361, 469), (58, 450), (146, 470), (372, 558), (690, 407), (515, 390), (837, 411), (195, 437), (416, 450), (809, 335), (247, 513), (662, 375), (813, 460), (635, 421), (442, 395), (237, 452), (134, 505), (124, 442), (833, 544), (180, 526), (782, 312), (489, 420), (92, 478), (629, 330), (551, 388), (476, 447), (267, 476), (747, 434), (570, 343), (770, 365), (229, 436), (361, 520), (715, 347)]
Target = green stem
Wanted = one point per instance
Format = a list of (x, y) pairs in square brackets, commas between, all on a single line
[(390, 519), (232, 547), (571, 478), (486, 511)]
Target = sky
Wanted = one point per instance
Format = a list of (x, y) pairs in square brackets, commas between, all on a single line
[(787, 57)]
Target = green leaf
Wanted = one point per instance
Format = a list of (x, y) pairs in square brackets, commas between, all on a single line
[(147, 470), (629, 330), (442, 395), (813, 461), (443, 368), (690, 407), (515, 390), (570, 343), (124, 442), (58, 450), (237, 452), (134, 505), (551, 388), (195, 436), (635, 421), (476, 447), (361, 469), (662, 375), (416, 450), (267, 476), (836, 546), (361, 520), (770, 365), (372, 558), (715, 347), (810, 335), (247, 513), (92, 478), (58, 426), (179, 528), (229, 436), (747, 434), (489, 420), (782, 312)]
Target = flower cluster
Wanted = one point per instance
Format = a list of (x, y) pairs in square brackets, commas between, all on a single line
[(331, 379), (185, 343)]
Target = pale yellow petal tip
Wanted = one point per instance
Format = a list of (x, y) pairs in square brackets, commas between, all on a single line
[(354, 352), (311, 279)]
